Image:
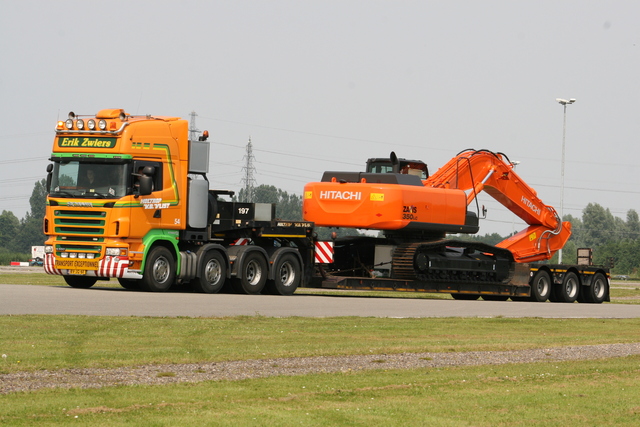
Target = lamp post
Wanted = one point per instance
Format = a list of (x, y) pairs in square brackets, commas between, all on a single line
[(564, 103)]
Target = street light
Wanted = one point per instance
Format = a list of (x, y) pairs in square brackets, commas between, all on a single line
[(564, 103)]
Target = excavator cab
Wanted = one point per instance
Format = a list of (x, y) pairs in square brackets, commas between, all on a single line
[(408, 167)]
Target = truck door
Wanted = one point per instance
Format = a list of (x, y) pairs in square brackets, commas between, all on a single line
[(161, 206)]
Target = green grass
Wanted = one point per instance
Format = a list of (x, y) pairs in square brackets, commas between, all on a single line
[(588, 393), (577, 393), (53, 342)]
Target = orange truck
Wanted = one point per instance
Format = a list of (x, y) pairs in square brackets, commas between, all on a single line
[(128, 198)]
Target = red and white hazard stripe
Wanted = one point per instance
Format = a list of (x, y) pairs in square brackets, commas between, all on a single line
[(324, 252), (50, 265), (242, 241), (114, 266)]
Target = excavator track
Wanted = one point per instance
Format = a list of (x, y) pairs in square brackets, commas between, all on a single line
[(453, 261)]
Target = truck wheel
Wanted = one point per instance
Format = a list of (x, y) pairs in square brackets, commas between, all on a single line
[(570, 288), (212, 274), (287, 276), (82, 282), (130, 284), (253, 274), (540, 287), (159, 270), (596, 293)]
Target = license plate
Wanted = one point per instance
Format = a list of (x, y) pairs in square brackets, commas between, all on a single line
[(78, 272), (77, 264)]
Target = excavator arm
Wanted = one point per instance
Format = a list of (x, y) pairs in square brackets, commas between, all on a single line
[(474, 171)]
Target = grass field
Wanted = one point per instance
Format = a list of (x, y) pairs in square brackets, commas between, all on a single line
[(599, 392), (592, 393)]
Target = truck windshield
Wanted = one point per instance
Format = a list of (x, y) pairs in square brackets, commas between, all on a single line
[(83, 179)]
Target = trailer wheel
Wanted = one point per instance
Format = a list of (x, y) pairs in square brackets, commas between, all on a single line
[(570, 288), (212, 273), (81, 282), (287, 275), (130, 284), (540, 287), (253, 274), (159, 270), (596, 293)]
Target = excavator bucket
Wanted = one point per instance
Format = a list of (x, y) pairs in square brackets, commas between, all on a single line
[(536, 243)]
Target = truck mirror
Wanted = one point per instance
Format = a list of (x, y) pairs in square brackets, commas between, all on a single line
[(146, 185), (49, 176)]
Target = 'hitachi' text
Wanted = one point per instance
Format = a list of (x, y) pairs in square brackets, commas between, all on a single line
[(530, 205), (341, 195)]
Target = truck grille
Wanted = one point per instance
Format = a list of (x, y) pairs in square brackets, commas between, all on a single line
[(79, 232)]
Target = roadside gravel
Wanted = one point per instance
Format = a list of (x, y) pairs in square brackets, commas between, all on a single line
[(247, 369)]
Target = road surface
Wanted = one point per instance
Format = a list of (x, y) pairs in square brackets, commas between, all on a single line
[(25, 299)]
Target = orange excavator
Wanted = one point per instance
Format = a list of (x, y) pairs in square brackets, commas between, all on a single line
[(415, 211)]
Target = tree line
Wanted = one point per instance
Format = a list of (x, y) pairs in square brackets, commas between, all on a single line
[(611, 238), (18, 235)]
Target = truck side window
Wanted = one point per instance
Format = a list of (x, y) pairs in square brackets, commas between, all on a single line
[(138, 167)]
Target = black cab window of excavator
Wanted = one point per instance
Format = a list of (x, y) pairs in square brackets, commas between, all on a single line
[(407, 167), (418, 169)]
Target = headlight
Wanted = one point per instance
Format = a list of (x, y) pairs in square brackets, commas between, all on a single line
[(48, 249), (80, 124), (91, 124), (64, 255), (82, 255), (102, 124), (90, 256), (113, 251), (73, 255), (69, 124)]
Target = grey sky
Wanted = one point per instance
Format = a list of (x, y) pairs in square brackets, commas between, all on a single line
[(323, 85)]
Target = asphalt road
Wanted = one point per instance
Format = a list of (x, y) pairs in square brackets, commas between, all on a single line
[(23, 299)]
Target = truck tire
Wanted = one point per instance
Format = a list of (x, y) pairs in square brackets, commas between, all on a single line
[(287, 274), (81, 282), (540, 286), (596, 293), (252, 274), (131, 284), (212, 273), (159, 270), (569, 290)]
